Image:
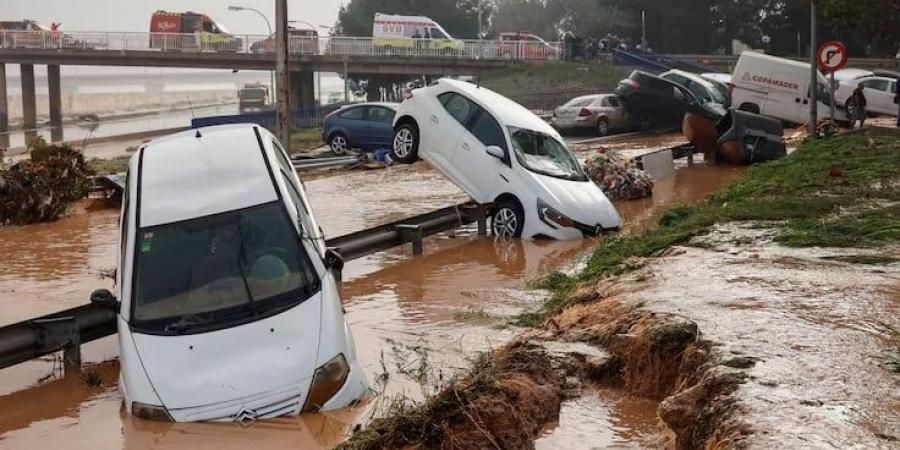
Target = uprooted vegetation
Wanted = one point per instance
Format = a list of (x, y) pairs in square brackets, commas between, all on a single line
[(504, 402), (41, 188), (803, 197)]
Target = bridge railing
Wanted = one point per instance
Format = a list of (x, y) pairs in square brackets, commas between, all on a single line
[(260, 44)]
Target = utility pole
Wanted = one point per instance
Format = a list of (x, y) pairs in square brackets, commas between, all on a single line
[(282, 71), (813, 71), (480, 29), (643, 30)]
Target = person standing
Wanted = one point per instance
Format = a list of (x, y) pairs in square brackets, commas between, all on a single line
[(857, 107), (897, 97)]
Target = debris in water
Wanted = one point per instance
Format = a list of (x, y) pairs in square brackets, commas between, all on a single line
[(40, 189), (618, 177)]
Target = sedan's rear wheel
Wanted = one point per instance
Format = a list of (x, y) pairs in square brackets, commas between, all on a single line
[(602, 127), (405, 148), (508, 220), (338, 144)]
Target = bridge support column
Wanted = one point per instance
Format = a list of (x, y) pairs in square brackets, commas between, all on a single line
[(303, 92), (55, 94), (4, 109), (29, 101)]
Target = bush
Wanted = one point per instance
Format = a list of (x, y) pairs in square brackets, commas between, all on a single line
[(42, 188)]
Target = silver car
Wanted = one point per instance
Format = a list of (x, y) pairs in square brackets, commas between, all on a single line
[(600, 113)]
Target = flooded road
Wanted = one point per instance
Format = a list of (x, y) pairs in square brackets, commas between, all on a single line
[(811, 326), (417, 320)]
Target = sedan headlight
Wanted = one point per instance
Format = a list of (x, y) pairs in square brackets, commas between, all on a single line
[(150, 412), (551, 216), (327, 381)]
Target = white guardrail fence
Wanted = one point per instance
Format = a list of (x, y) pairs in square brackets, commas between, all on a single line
[(250, 44)]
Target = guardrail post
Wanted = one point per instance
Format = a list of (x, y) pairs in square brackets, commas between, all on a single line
[(481, 219), (412, 233), (60, 333)]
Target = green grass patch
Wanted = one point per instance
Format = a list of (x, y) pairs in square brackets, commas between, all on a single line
[(306, 139), (798, 195), (549, 77), (107, 166)]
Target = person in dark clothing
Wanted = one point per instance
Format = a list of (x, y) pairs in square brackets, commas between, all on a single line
[(897, 100), (857, 107)]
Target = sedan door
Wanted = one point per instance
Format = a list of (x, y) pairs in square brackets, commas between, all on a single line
[(615, 112), (477, 170), (879, 95), (380, 130), (353, 119), (445, 125)]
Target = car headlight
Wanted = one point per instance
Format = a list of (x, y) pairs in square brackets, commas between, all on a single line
[(551, 216), (327, 381), (150, 412)]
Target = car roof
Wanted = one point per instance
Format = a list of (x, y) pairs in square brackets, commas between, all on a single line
[(717, 77), (504, 109), (851, 73), (390, 105), (183, 176), (693, 77)]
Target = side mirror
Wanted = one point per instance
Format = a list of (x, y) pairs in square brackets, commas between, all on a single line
[(495, 151), (104, 299), (333, 260)]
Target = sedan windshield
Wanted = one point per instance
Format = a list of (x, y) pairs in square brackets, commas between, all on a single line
[(544, 154), (211, 272)]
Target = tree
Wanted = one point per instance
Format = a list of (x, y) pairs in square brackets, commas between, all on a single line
[(870, 26)]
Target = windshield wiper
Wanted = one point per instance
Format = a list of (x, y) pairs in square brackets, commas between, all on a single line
[(240, 231)]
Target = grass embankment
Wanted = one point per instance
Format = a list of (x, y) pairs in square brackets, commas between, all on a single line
[(840, 192), (306, 139), (549, 77)]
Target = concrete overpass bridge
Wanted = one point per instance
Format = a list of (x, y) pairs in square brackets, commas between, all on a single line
[(307, 55)]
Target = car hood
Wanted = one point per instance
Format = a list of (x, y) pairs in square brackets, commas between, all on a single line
[(581, 201), (228, 365)]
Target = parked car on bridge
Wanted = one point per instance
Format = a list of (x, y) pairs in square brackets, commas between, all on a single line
[(599, 113), (500, 153), (300, 41), (879, 92), (367, 126), (525, 46), (412, 35), (227, 308), (25, 34), (190, 31)]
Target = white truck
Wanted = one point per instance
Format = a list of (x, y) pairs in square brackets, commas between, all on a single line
[(779, 88), (409, 32)]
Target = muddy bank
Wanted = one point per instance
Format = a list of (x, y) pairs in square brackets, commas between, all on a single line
[(764, 333)]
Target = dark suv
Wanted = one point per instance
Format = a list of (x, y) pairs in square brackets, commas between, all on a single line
[(657, 101)]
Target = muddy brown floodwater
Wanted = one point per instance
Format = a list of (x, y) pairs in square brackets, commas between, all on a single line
[(417, 320)]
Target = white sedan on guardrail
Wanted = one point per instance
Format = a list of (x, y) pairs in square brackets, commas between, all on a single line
[(227, 307), (502, 154)]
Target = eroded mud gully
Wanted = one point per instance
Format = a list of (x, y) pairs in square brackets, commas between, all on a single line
[(735, 341)]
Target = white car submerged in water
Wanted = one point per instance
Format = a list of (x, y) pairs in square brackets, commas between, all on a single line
[(229, 310), (502, 154)]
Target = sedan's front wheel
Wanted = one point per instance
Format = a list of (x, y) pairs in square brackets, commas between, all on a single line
[(508, 220), (338, 144), (405, 148)]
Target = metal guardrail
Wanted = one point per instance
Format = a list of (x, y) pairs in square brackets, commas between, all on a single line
[(261, 44), (325, 163), (66, 330)]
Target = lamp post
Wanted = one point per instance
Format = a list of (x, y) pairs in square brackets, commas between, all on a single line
[(813, 71), (268, 27)]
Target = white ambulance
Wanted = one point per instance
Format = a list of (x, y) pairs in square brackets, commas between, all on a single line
[(779, 88), (400, 32)]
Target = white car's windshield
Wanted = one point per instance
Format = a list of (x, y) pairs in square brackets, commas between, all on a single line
[(218, 269), (544, 154)]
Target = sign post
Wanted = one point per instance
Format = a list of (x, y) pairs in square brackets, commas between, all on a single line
[(831, 57)]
